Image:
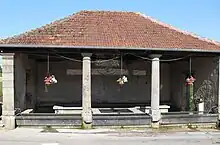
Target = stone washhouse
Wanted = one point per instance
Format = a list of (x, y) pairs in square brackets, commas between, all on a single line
[(95, 60)]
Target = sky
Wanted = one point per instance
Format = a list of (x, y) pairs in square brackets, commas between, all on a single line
[(201, 17)]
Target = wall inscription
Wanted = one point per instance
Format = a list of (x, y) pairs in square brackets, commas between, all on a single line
[(107, 72)]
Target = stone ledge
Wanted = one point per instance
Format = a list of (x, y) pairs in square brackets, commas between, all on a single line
[(186, 118), (67, 120)]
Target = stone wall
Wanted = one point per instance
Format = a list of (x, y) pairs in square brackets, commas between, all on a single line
[(178, 71), (20, 81), (205, 87), (31, 80), (25, 82), (104, 86), (8, 89)]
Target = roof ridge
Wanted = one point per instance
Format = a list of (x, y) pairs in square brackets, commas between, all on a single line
[(179, 30), (117, 11)]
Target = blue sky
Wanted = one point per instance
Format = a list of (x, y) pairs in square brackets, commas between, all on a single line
[(198, 16)]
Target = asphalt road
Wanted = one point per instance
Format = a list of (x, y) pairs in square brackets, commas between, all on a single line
[(100, 137)]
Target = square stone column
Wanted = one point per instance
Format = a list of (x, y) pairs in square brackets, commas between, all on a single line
[(86, 92), (8, 109), (155, 91)]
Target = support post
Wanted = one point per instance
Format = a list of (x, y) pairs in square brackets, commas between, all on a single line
[(155, 91), (86, 92), (8, 109)]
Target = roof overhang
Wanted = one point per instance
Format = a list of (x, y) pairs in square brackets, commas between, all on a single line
[(24, 46)]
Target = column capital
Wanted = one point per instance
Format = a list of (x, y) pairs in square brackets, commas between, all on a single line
[(153, 56), (86, 54)]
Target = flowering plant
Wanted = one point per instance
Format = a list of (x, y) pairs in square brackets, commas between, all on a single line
[(50, 79), (122, 80), (190, 80)]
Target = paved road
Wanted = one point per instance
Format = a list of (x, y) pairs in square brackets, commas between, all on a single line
[(71, 137)]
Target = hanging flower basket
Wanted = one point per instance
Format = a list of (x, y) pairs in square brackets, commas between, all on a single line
[(49, 80), (190, 80), (122, 80)]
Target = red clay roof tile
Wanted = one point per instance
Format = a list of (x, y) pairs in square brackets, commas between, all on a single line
[(112, 29)]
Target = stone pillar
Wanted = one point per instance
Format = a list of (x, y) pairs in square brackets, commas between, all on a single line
[(155, 91), (86, 92), (8, 109)]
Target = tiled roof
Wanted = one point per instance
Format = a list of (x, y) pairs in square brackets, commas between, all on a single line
[(112, 29)]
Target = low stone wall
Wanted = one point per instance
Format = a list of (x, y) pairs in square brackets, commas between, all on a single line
[(74, 120), (121, 120), (50, 119), (187, 118)]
